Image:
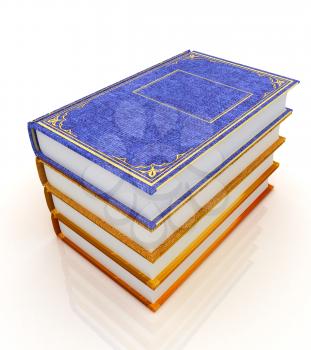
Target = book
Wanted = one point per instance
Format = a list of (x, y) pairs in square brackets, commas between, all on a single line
[(104, 308), (154, 298), (161, 131), (146, 177), (119, 224)]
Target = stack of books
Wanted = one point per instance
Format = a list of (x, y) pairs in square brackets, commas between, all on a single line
[(146, 177)]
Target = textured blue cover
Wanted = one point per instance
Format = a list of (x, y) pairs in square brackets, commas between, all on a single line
[(148, 127), (152, 224)]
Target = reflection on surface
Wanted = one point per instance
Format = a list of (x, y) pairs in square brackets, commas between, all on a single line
[(125, 323)]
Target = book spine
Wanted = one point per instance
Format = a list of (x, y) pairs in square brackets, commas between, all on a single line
[(33, 138)]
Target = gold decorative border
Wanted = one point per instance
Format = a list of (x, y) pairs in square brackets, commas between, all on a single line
[(153, 173), (156, 305), (177, 234), (137, 92), (155, 282)]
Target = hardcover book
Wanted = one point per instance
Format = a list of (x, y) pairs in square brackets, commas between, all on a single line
[(146, 177), (182, 218), (104, 308), (154, 297), (145, 143)]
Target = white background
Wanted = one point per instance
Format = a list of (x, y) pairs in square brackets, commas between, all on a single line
[(255, 291)]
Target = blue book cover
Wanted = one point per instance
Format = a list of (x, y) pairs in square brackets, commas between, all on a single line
[(150, 126)]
